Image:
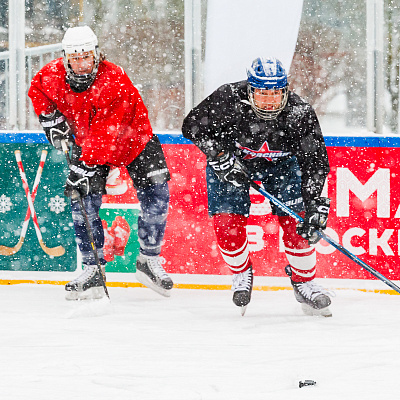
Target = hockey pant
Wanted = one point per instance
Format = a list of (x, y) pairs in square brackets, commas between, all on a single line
[(230, 230), (154, 201)]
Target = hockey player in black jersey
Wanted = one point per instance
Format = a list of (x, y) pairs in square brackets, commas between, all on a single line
[(260, 129)]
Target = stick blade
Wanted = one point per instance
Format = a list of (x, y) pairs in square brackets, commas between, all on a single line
[(9, 251), (52, 251)]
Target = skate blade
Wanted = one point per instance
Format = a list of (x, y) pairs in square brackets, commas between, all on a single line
[(146, 281), (243, 310), (89, 308), (94, 293), (308, 310)]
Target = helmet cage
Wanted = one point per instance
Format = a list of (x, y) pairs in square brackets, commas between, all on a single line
[(275, 110), (84, 81)]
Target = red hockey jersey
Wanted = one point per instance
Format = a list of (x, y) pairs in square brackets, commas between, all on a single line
[(109, 120)]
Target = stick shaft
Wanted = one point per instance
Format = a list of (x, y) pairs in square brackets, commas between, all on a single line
[(52, 251), (7, 251), (34, 192), (76, 196), (28, 194)]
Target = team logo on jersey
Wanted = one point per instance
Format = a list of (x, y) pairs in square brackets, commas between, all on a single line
[(263, 152)]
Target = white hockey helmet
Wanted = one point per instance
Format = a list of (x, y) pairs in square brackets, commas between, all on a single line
[(80, 39)]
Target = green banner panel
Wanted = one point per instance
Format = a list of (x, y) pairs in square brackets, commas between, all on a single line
[(58, 250)]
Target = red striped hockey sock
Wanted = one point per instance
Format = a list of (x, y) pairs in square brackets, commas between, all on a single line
[(230, 230), (301, 256)]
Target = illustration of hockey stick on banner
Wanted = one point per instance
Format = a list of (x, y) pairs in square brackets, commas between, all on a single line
[(8, 251), (51, 251), (326, 237)]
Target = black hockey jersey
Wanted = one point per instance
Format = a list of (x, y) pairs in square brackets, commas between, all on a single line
[(225, 121)]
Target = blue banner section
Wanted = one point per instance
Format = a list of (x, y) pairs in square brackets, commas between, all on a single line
[(177, 138), (362, 141), (23, 137)]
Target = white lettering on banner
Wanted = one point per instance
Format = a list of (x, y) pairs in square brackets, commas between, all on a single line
[(398, 242), (348, 235), (255, 237), (256, 242), (382, 242), (379, 182), (281, 244)]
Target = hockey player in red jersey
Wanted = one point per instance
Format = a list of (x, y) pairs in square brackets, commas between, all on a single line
[(259, 129), (92, 104)]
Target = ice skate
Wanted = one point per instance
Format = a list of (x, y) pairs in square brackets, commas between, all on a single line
[(242, 286), (87, 286), (314, 298), (150, 273)]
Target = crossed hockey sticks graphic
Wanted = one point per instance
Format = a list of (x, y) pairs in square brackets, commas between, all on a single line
[(8, 251), (51, 251)]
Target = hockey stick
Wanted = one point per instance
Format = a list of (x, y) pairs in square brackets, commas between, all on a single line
[(76, 196), (326, 237), (51, 251), (8, 251)]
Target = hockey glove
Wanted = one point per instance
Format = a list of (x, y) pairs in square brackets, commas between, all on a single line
[(56, 128), (228, 169), (86, 179), (315, 219)]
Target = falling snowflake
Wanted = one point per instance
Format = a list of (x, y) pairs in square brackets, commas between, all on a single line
[(5, 203), (57, 204)]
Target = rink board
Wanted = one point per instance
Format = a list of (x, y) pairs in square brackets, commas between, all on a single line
[(364, 182), (365, 211)]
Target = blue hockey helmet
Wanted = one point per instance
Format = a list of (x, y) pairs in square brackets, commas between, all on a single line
[(267, 74)]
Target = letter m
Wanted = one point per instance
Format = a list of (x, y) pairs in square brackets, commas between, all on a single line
[(379, 182)]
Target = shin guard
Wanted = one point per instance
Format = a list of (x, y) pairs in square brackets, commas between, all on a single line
[(301, 256), (230, 230)]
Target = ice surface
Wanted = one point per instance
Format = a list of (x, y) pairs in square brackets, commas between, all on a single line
[(195, 345)]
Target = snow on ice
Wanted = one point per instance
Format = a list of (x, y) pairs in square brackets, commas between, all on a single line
[(195, 345)]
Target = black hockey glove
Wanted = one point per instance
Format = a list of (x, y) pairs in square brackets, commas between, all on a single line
[(86, 179), (229, 169), (56, 128), (315, 219)]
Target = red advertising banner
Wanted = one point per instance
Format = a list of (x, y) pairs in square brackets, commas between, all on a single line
[(365, 210)]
